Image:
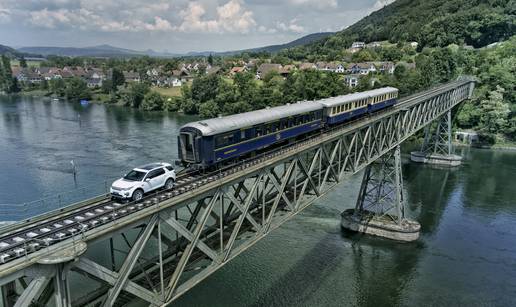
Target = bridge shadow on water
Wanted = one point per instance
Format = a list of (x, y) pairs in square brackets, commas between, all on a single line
[(346, 268)]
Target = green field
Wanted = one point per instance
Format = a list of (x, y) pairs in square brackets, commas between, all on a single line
[(168, 91), (29, 63)]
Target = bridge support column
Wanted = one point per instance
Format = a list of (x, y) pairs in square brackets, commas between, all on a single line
[(380, 209), (437, 147)]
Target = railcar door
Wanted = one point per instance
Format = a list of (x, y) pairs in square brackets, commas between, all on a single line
[(188, 146)]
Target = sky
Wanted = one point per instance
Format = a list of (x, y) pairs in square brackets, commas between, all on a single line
[(176, 26)]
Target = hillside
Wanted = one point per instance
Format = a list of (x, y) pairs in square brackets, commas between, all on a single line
[(314, 37), (95, 51), (429, 22), (13, 53), (111, 51)]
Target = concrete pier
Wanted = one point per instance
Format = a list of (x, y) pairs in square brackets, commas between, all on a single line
[(434, 158), (369, 223)]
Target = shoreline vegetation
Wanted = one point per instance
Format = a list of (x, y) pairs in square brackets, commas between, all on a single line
[(491, 112)]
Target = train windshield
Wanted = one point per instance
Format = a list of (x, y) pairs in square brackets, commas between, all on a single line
[(187, 146)]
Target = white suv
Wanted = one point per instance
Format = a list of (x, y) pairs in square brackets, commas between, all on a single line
[(144, 179)]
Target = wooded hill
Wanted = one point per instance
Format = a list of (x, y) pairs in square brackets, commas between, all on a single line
[(431, 23)]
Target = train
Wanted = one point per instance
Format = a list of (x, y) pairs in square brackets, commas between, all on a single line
[(210, 143)]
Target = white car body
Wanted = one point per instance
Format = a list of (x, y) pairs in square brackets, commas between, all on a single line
[(143, 179)]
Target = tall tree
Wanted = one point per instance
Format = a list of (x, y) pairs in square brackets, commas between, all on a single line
[(23, 62), (117, 78)]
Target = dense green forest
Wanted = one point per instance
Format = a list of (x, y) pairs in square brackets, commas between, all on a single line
[(431, 23)]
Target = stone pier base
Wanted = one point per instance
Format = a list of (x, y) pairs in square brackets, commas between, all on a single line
[(447, 160), (367, 222)]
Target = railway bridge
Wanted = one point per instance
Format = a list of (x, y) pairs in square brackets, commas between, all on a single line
[(103, 253)]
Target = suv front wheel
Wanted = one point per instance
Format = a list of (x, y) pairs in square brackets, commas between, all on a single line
[(169, 184), (137, 195)]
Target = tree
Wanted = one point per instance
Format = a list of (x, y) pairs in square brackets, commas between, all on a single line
[(210, 59), (57, 86), (152, 101), (209, 109), (204, 88), (117, 78), (23, 62), (6, 80), (495, 112), (77, 89), (135, 94)]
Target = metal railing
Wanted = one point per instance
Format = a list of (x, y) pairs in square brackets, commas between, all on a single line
[(25, 210)]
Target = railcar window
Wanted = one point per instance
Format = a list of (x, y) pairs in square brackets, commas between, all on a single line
[(259, 131)]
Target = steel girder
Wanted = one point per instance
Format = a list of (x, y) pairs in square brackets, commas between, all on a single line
[(179, 242), (440, 141), (381, 191)]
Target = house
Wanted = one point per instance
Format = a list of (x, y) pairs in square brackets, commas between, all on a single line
[(183, 75), (339, 68), (153, 72), (210, 70), (306, 66), (237, 69), (94, 82), (386, 67), (358, 45), (19, 73), (351, 80), (373, 45), (413, 44), (286, 70), (175, 82), (131, 76), (361, 68), (34, 77), (65, 74), (266, 68)]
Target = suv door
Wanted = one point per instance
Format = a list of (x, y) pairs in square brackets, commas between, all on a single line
[(156, 178)]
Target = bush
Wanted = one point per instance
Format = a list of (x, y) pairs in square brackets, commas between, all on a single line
[(152, 101)]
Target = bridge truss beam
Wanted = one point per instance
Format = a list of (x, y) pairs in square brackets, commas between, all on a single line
[(177, 242)]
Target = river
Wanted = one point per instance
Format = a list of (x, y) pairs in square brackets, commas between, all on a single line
[(466, 254)]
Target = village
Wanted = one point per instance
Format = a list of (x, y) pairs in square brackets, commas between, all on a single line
[(164, 76)]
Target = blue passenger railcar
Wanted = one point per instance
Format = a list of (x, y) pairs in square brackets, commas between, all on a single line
[(212, 141), (343, 108)]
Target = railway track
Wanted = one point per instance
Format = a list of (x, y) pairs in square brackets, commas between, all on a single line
[(27, 239)]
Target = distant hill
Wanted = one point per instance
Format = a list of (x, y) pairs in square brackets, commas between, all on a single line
[(13, 53), (430, 23), (310, 38), (95, 51), (111, 51)]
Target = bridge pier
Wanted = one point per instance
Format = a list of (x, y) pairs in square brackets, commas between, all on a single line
[(437, 147), (380, 209)]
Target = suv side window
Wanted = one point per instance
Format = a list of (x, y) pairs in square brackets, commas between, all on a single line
[(170, 168), (155, 173)]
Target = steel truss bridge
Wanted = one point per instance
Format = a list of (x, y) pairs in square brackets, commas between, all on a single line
[(155, 250)]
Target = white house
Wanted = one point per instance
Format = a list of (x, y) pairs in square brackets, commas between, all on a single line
[(176, 82), (351, 80), (340, 69), (358, 45)]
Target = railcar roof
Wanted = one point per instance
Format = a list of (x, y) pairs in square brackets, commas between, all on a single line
[(334, 101), (215, 126)]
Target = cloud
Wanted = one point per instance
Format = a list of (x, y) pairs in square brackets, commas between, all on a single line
[(381, 3), (5, 15), (231, 17), (86, 19), (292, 26), (318, 4)]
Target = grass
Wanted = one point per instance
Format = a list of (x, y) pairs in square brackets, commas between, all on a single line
[(168, 91), (29, 63)]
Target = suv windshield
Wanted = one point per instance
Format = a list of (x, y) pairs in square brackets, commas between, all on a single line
[(134, 176)]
